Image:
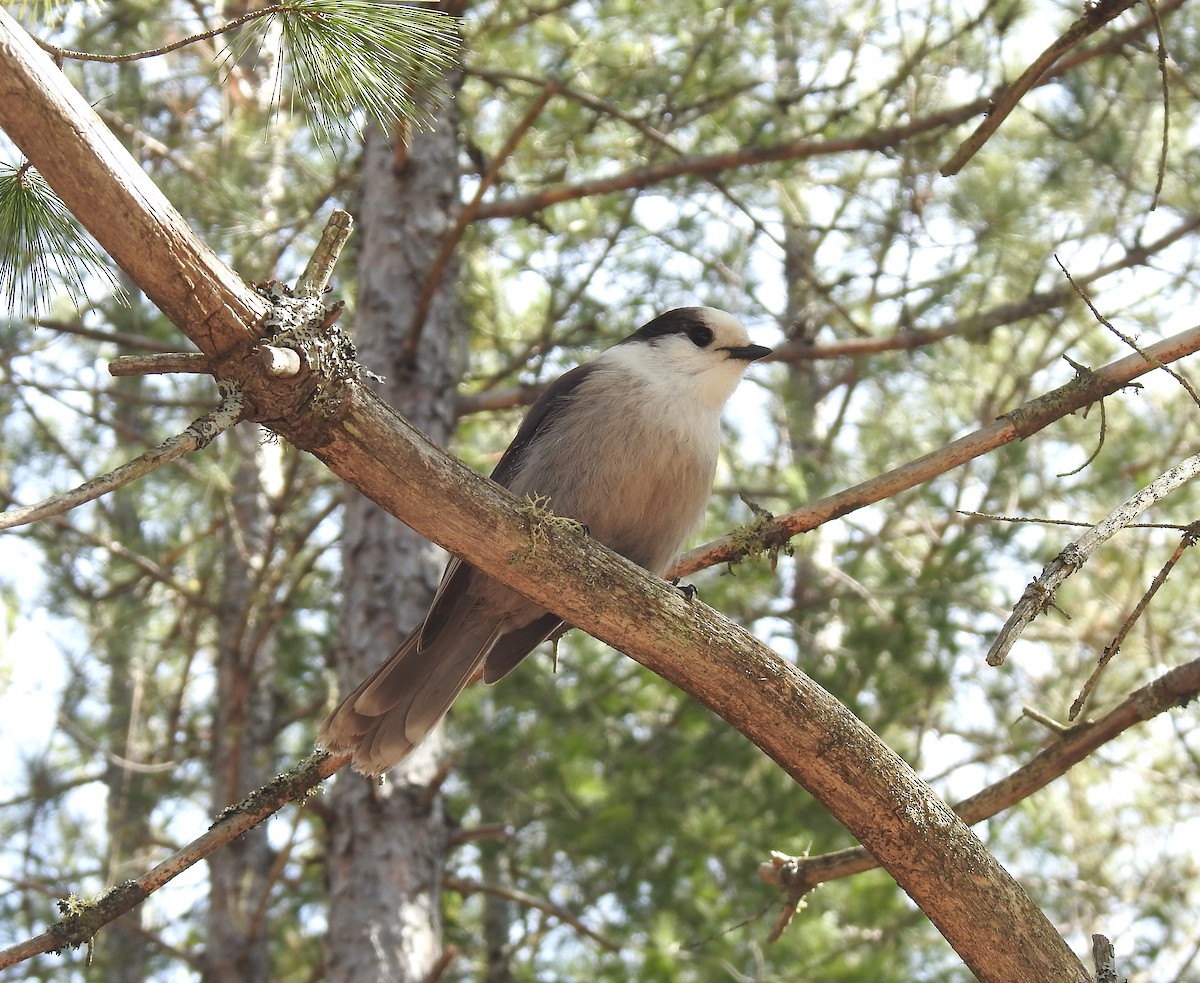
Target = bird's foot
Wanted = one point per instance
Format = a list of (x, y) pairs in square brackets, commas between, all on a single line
[(688, 591)]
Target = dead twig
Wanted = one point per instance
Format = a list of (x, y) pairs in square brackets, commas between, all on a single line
[(1039, 595), (319, 270), (1173, 689), (1128, 339), (161, 363), (198, 434), (1190, 536)]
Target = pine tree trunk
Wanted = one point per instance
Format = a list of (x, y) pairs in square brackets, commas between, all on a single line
[(240, 757), (387, 843)]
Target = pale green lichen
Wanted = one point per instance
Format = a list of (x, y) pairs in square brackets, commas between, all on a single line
[(544, 525), (750, 538)]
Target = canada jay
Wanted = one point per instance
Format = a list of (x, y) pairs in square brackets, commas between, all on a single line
[(627, 445)]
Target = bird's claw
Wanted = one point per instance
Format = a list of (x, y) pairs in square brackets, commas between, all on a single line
[(687, 590)]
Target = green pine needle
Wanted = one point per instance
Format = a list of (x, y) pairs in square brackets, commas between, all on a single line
[(43, 247), (386, 59)]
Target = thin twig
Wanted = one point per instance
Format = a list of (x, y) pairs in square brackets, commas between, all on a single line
[(60, 54), (84, 919), (1127, 339), (1039, 594), (1166, 98), (651, 133), (1099, 446), (1096, 15), (162, 363), (197, 435), (1171, 690), (1046, 721), (1076, 523), (1190, 536)]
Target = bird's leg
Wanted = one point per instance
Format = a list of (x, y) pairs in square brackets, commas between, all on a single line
[(688, 591)]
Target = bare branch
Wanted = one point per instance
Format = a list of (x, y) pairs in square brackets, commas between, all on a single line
[(83, 919), (1095, 16), (708, 164), (161, 364), (199, 433), (1169, 691), (1190, 536), (1023, 422), (1039, 595)]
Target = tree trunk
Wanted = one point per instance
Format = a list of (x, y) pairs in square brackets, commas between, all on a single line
[(241, 760), (387, 843)]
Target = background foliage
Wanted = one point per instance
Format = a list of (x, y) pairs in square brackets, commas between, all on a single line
[(627, 806)]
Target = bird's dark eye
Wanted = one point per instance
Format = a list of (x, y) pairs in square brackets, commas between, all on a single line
[(700, 334)]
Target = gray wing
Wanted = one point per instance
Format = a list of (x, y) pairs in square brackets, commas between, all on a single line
[(540, 416), (456, 583)]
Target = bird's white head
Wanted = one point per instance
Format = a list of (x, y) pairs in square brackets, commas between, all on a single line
[(700, 351)]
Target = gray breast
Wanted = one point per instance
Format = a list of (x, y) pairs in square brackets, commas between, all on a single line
[(638, 479)]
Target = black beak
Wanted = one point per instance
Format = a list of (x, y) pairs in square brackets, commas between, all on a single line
[(748, 353)]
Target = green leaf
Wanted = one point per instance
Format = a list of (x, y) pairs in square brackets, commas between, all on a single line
[(346, 58), (42, 246)]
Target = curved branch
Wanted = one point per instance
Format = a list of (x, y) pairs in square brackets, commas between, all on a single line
[(1171, 690), (82, 919), (1022, 422)]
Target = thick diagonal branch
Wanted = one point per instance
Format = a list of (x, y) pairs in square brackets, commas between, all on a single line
[(994, 926)]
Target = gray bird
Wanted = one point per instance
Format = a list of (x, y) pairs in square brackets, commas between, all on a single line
[(627, 445)]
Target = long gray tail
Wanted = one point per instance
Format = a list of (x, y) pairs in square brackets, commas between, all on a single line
[(401, 701)]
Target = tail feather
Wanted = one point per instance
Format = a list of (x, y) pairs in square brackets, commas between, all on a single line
[(395, 707)]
